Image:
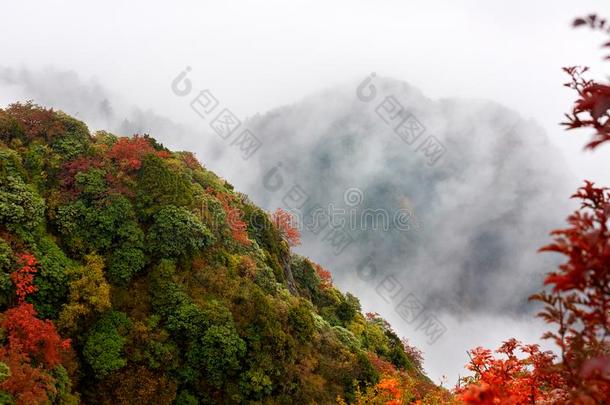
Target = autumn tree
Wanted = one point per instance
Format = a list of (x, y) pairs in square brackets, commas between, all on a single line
[(37, 338), (128, 152), (30, 121), (578, 303), (33, 347), (387, 392), (284, 223), (234, 217), (591, 109), (26, 384), (326, 279), (89, 293), (522, 375), (23, 278)]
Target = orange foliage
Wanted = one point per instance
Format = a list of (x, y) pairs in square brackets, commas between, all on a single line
[(579, 301), (578, 305), (190, 161), (239, 228), (33, 346), (23, 278), (128, 152), (35, 337), (513, 380), (389, 389), (164, 154), (284, 223), (326, 279)]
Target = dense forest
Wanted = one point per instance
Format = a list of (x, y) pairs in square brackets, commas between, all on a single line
[(131, 274)]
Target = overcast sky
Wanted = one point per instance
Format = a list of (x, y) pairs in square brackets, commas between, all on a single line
[(257, 55)]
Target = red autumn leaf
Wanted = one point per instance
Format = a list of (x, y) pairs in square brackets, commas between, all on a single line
[(128, 152), (284, 223), (23, 278)]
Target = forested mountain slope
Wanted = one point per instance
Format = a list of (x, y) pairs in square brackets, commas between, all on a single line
[(130, 274)]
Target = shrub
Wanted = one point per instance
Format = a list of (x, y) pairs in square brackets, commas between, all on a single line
[(52, 278), (103, 350), (286, 226), (6, 266), (219, 351), (124, 263), (89, 293), (176, 233), (158, 186), (20, 205)]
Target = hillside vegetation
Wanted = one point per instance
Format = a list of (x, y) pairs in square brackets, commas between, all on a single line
[(130, 274)]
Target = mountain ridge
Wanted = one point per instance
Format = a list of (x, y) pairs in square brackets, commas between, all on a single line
[(171, 287)]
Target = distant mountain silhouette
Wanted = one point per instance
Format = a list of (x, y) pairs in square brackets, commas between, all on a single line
[(480, 208)]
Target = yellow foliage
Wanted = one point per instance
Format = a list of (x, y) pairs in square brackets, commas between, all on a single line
[(89, 292)]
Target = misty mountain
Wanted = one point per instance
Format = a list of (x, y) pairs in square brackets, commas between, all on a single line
[(451, 206), (448, 199)]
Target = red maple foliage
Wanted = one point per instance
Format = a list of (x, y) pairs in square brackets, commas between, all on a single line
[(326, 278), (579, 305), (35, 337), (284, 223), (71, 169), (234, 218), (592, 108), (414, 353), (38, 338), (579, 301), (36, 121), (190, 160), (23, 278), (33, 345), (525, 379), (164, 154), (382, 366), (128, 152), (27, 384)]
